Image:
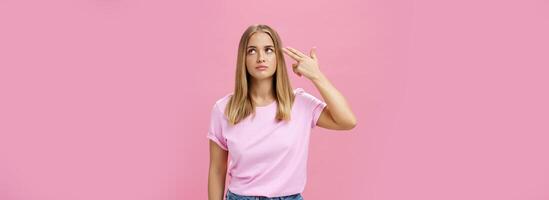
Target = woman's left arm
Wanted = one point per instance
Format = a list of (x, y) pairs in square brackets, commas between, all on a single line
[(337, 115)]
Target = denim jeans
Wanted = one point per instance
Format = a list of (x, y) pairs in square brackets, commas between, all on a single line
[(233, 196)]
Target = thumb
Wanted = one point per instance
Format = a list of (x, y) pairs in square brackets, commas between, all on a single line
[(313, 53)]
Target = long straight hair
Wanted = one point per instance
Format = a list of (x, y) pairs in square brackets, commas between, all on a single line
[(240, 104)]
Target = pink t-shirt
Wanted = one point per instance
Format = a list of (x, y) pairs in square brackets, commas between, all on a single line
[(267, 158)]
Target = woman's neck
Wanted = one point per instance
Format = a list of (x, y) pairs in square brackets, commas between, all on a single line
[(262, 91)]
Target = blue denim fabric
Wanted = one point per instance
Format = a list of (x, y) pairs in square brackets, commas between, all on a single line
[(233, 196)]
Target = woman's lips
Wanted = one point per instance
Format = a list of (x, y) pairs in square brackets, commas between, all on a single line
[(261, 68)]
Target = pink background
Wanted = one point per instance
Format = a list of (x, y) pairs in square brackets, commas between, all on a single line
[(110, 99)]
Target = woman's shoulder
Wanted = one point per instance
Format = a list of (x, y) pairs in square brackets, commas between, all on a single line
[(299, 91), (221, 103), (302, 94), (305, 97)]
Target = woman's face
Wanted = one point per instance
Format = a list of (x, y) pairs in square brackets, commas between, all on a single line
[(260, 56)]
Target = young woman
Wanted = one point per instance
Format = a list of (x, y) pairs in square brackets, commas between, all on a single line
[(265, 124)]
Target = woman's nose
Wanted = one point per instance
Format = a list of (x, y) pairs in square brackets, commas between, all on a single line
[(260, 57)]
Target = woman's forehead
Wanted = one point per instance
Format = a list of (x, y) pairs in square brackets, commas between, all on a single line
[(260, 39)]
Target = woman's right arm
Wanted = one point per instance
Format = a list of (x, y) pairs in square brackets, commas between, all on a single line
[(217, 172)]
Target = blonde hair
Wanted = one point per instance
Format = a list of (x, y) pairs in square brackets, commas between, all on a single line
[(240, 104)]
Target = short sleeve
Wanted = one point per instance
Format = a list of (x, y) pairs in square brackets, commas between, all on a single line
[(315, 105), (318, 107), (215, 132)]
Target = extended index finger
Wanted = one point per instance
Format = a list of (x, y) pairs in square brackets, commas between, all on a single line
[(297, 52), (292, 54)]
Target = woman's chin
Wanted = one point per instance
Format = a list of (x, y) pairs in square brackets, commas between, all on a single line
[(262, 75)]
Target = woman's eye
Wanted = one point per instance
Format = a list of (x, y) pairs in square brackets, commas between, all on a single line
[(269, 50), (251, 50)]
